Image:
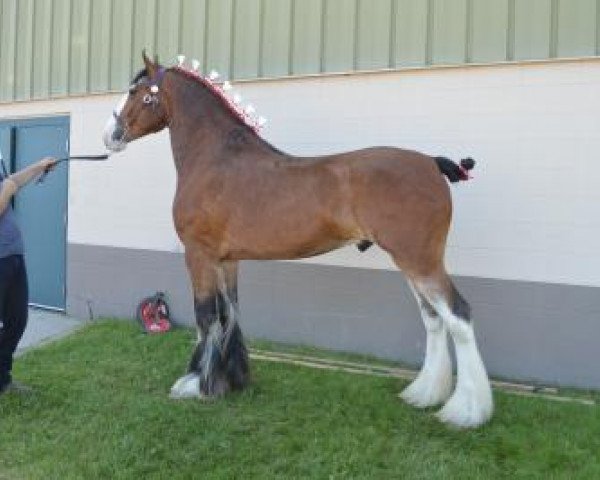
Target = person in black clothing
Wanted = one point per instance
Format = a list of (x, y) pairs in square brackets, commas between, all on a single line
[(13, 276)]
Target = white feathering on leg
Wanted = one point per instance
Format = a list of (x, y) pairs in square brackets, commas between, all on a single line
[(472, 403), (187, 386), (433, 384)]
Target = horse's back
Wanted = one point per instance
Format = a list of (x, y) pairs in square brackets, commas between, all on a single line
[(389, 174)]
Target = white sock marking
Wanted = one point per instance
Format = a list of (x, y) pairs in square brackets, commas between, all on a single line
[(187, 386), (471, 404), (433, 384)]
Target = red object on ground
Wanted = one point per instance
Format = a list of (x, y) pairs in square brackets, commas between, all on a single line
[(153, 314)]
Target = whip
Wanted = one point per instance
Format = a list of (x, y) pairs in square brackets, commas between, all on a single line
[(74, 158)]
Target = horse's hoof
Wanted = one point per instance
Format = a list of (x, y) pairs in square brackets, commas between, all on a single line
[(467, 409), (425, 391), (187, 386)]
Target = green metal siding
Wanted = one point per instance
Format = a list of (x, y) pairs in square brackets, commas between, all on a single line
[(218, 40), (449, 37), (8, 22), (339, 35), (80, 44), (144, 24), (100, 42), (42, 39), (60, 25), (193, 29), (121, 39), (307, 36), (167, 26), (246, 39), (52, 48), (24, 48), (532, 25), (576, 28), (488, 30), (276, 38), (373, 43), (411, 32)]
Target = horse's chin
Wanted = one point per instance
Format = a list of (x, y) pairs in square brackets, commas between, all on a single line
[(114, 145)]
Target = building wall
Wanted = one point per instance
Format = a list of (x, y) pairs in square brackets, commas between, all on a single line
[(55, 48), (525, 216), (522, 244)]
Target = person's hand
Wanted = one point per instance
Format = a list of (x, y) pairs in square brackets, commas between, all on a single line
[(46, 164)]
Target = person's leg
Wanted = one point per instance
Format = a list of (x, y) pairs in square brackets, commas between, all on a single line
[(13, 303), (6, 273)]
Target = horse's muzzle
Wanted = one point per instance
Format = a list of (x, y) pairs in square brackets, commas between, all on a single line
[(119, 131), (114, 134)]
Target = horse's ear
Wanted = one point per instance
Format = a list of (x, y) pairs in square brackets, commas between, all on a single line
[(151, 67)]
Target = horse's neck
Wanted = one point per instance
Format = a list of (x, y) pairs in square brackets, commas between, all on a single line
[(202, 130)]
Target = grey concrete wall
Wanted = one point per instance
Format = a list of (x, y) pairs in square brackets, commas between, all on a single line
[(110, 282), (527, 331)]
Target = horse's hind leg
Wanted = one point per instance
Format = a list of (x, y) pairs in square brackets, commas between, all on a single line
[(471, 403), (433, 384)]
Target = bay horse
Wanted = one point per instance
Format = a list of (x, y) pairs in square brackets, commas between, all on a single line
[(238, 198)]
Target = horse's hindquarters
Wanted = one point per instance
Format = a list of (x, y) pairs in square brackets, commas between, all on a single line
[(404, 205)]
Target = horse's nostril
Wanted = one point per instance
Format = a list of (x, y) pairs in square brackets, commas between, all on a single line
[(117, 134)]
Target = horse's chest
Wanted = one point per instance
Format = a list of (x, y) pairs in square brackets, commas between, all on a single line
[(193, 219)]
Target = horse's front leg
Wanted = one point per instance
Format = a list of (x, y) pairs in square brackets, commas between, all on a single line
[(219, 361), (203, 276), (235, 354)]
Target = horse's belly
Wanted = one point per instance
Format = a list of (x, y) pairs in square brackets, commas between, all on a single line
[(279, 247), (277, 254)]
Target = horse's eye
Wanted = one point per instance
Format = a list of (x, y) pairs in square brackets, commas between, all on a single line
[(132, 89)]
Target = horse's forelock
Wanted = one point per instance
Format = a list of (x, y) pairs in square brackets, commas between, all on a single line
[(143, 73)]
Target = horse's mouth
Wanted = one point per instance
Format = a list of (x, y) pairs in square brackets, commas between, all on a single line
[(115, 145), (114, 136)]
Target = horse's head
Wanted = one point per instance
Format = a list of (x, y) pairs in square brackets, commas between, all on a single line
[(141, 111)]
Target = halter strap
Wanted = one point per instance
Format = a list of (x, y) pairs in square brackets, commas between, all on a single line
[(158, 78)]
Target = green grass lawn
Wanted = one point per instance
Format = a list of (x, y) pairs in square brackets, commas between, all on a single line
[(101, 411)]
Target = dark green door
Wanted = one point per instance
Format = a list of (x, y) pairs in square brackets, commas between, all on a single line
[(41, 209)]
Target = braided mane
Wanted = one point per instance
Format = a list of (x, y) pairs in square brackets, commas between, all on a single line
[(218, 92)]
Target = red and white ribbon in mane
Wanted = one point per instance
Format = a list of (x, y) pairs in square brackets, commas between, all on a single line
[(223, 90)]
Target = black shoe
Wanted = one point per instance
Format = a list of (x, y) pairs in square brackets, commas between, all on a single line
[(17, 388)]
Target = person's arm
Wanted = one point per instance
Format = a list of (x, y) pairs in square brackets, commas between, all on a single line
[(23, 177), (7, 189), (11, 184)]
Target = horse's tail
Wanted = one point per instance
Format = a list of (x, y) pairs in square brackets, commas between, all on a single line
[(455, 171)]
